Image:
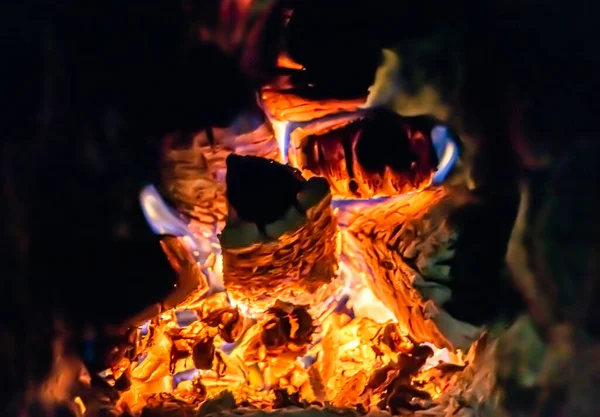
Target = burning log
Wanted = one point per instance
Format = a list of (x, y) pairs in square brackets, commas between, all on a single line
[(288, 106), (280, 238), (193, 168), (407, 242), (369, 155)]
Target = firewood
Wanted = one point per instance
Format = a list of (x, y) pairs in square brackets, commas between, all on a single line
[(405, 242), (365, 155), (280, 241)]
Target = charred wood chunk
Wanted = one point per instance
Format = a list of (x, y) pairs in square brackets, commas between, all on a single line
[(374, 155), (290, 324), (228, 321), (288, 106), (203, 353), (284, 399), (279, 241), (394, 381), (392, 337)]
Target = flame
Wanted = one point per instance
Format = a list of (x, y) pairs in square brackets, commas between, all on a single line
[(447, 152), (281, 132), (80, 405), (284, 61)]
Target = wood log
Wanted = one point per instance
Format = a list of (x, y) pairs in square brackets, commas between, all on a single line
[(404, 243), (292, 106), (366, 155), (289, 255)]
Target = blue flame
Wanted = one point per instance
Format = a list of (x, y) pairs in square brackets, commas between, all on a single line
[(162, 219), (185, 317), (188, 375), (446, 149)]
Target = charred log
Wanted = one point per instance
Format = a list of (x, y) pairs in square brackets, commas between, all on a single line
[(364, 156), (285, 248)]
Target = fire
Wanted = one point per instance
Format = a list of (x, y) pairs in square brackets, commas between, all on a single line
[(284, 61), (346, 348)]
